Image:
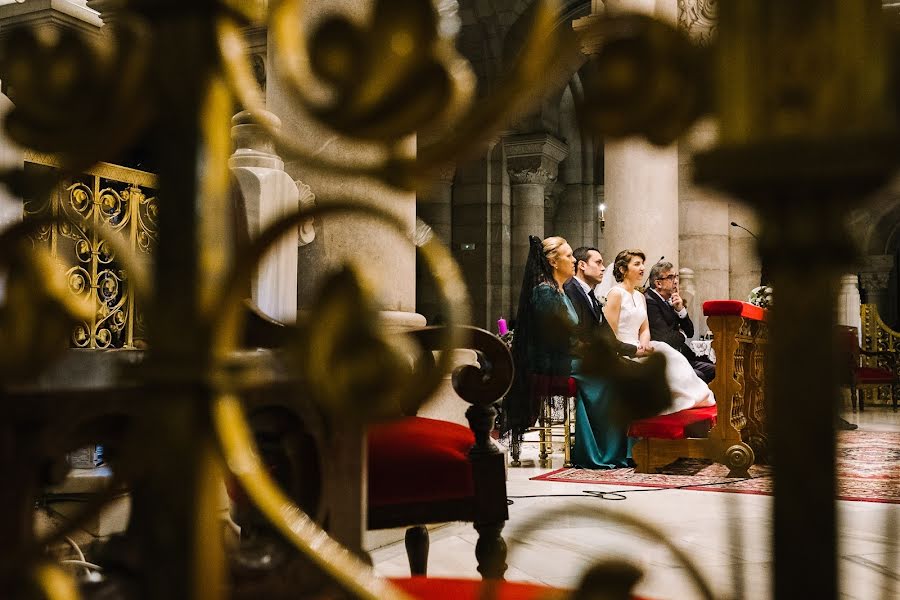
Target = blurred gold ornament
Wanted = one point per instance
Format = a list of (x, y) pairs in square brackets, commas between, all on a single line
[(79, 97)]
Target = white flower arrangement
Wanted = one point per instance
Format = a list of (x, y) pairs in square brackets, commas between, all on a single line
[(761, 296)]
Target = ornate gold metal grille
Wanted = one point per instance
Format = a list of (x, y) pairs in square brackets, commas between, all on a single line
[(124, 200), (877, 336)]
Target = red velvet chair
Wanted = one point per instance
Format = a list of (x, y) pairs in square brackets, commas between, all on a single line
[(423, 471), (420, 471), (858, 374)]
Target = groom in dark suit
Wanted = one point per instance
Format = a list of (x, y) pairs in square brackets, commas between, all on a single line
[(589, 270), (669, 320)]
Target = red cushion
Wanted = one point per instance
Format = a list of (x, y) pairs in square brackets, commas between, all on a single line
[(728, 308), (419, 460), (873, 375), (428, 588), (672, 427)]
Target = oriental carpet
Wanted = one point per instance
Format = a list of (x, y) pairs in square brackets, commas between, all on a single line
[(868, 464)]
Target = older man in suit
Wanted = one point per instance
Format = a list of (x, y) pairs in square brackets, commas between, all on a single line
[(589, 270), (669, 320)]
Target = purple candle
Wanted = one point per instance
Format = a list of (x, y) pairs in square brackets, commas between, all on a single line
[(501, 327)]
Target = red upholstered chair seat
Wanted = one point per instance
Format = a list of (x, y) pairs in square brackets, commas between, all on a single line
[(428, 588), (693, 422), (873, 375), (419, 460)]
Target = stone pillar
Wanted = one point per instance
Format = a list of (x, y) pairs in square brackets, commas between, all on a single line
[(640, 180), (532, 161), (435, 208), (848, 310), (481, 228), (10, 206), (688, 289), (744, 262), (641, 190), (848, 302), (576, 217), (703, 228), (55, 14), (268, 194), (384, 258), (874, 281)]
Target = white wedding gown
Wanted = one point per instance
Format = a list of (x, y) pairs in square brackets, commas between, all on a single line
[(688, 390)]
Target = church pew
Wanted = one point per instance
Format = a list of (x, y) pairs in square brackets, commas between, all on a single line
[(733, 432)]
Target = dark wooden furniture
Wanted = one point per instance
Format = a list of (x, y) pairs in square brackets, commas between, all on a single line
[(857, 374), (419, 471)]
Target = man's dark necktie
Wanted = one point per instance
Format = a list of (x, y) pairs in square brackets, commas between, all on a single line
[(596, 304)]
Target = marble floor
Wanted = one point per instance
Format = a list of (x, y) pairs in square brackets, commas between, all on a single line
[(555, 536)]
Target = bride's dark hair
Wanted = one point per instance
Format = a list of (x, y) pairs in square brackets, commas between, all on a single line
[(520, 407)]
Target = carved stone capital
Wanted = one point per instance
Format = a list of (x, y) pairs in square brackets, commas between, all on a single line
[(875, 273), (533, 158), (446, 173), (698, 18), (539, 176), (874, 282)]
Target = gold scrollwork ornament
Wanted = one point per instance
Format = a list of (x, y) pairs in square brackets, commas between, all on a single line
[(78, 97)]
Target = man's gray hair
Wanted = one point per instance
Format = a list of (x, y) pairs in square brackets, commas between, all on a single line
[(655, 270)]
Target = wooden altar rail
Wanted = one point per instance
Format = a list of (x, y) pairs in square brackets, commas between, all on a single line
[(738, 439), (877, 336)]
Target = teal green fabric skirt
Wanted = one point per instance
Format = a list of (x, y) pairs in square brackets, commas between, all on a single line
[(598, 443)]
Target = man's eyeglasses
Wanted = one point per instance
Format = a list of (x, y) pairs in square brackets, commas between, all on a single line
[(671, 277)]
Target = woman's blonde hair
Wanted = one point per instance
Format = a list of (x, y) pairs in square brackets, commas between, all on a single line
[(551, 246), (623, 258)]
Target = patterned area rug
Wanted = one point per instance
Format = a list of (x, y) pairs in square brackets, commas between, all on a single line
[(868, 471)]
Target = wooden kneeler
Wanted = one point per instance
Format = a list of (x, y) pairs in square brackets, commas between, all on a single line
[(733, 432)]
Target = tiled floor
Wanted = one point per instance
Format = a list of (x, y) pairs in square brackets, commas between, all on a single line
[(573, 532)]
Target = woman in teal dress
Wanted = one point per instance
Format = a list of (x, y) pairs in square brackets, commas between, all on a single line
[(544, 348)]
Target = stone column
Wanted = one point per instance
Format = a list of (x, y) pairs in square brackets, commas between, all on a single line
[(481, 217), (703, 229), (532, 161), (848, 302), (874, 281), (435, 208), (54, 14), (745, 269), (385, 259), (10, 206), (688, 289), (641, 180), (268, 194)]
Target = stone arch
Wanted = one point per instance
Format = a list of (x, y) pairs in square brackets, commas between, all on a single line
[(876, 227)]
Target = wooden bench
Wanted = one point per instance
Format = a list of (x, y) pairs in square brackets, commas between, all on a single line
[(733, 432)]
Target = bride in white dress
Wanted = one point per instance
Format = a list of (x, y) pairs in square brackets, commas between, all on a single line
[(626, 311)]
